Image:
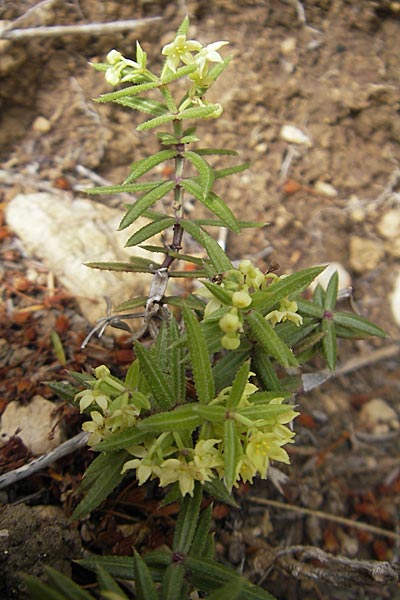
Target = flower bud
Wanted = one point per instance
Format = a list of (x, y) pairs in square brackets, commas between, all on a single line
[(230, 341), (241, 299), (229, 323), (245, 266)]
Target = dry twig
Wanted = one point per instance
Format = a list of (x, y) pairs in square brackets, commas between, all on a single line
[(81, 29), (78, 441), (326, 516)]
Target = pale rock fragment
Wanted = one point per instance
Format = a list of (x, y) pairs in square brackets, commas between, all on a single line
[(294, 135), (365, 254), (65, 233), (389, 228), (395, 300), (378, 417), (324, 277), (326, 189), (37, 424)]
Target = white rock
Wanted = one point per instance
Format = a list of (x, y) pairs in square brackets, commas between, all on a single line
[(378, 417), (41, 125), (65, 233), (365, 254), (395, 300), (389, 224), (326, 189), (324, 277), (294, 135), (288, 45), (36, 423)]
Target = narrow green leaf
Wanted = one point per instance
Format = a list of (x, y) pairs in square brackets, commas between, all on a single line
[(123, 267), (132, 303), (145, 201), (122, 567), (167, 139), (169, 99), (329, 343), (263, 411), (216, 152), (144, 584), (200, 539), (122, 439), (199, 358), (186, 523), (158, 382), (182, 418), (156, 122), (319, 295), (145, 105), (207, 575), (295, 283), (108, 584), (217, 489), (309, 309), (144, 165), (216, 205), (238, 385), (106, 482), (213, 413), (197, 112), (225, 368), (233, 452), (218, 258), (219, 173), (149, 230), (219, 292), (177, 366), (331, 292), (40, 591), (181, 72), (173, 583), (205, 170), (270, 341), (128, 91), (124, 188), (230, 591), (65, 585), (359, 326), (242, 224)]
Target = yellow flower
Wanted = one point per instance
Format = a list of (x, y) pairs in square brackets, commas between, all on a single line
[(144, 468), (261, 447), (96, 427), (180, 50), (88, 397), (208, 54), (287, 312)]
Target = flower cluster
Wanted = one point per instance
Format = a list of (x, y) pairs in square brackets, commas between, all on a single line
[(172, 460), (119, 406), (241, 284), (121, 70)]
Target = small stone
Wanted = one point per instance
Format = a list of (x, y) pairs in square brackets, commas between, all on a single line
[(288, 45), (377, 417), (41, 125), (326, 189), (395, 300), (365, 254), (36, 423), (389, 224), (294, 135), (324, 277)]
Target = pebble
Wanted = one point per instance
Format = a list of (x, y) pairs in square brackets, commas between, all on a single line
[(41, 125), (365, 254), (395, 300), (378, 417), (324, 277), (326, 189), (389, 224), (35, 423), (288, 45), (294, 135)]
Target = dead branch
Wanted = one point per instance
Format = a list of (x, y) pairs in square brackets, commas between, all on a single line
[(335, 570), (326, 516), (82, 29), (78, 441)]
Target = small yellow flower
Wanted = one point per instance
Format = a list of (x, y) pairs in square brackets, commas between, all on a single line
[(96, 427), (241, 299), (287, 312), (208, 54), (88, 397), (144, 468), (180, 50)]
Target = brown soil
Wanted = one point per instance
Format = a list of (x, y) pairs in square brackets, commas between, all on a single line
[(330, 68)]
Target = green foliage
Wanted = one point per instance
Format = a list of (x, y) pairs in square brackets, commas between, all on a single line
[(207, 404)]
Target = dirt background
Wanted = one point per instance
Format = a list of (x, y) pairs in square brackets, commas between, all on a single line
[(328, 67)]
